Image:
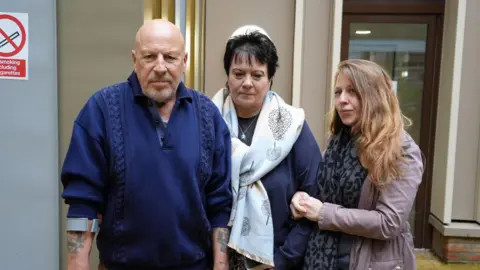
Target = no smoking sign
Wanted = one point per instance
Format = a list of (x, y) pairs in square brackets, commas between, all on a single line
[(13, 46)]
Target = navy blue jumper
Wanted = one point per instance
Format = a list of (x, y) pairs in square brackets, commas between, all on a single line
[(160, 189)]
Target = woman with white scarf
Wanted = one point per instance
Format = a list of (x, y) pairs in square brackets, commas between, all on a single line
[(274, 155)]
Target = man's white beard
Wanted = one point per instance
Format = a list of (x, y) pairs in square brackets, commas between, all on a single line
[(162, 96)]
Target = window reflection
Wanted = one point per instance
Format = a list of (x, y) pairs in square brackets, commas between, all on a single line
[(400, 50)]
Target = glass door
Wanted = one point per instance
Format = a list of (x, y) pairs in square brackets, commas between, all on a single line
[(405, 47), (401, 50)]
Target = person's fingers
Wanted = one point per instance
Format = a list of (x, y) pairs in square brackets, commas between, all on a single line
[(298, 205), (301, 202), (295, 213), (304, 195)]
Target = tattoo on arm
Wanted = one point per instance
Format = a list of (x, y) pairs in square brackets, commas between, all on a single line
[(222, 239), (75, 241)]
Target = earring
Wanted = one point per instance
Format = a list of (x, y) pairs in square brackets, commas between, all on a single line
[(226, 91)]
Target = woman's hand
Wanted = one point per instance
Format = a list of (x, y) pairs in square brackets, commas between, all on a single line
[(296, 205), (302, 205)]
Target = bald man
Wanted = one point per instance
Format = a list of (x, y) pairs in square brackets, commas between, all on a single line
[(149, 159)]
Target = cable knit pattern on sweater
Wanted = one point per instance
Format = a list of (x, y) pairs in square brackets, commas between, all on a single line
[(207, 132), (111, 96)]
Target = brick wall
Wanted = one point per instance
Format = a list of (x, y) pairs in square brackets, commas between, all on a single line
[(456, 249)]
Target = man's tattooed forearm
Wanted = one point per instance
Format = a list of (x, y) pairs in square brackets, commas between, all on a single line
[(222, 239), (75, 241)]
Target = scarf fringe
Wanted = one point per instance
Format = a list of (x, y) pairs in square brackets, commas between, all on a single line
[(267, 263)]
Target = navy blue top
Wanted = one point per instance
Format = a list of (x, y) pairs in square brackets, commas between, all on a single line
[(160, 193), (297, 172)]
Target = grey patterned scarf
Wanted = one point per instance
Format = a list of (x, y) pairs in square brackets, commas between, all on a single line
[(340, 181)]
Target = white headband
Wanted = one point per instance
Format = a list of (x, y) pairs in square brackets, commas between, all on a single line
[(247, 29)]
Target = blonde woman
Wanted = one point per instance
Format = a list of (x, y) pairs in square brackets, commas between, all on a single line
[(368, 179)]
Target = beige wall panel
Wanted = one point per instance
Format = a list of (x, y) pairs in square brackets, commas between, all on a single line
[(95, 39), (224, 16), (447, 111), (321, 32), (468, 138)]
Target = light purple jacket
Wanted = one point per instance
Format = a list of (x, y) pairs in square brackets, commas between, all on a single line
[(381, 221)]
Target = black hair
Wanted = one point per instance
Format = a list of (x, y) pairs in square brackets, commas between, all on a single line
[(253, 44)]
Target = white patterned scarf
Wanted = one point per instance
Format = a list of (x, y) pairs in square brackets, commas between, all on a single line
[(277, 129)]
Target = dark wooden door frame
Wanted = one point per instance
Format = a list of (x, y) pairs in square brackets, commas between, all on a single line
[(394, 7), (434, 22)]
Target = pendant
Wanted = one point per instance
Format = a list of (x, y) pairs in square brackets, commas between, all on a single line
[(242, 137)]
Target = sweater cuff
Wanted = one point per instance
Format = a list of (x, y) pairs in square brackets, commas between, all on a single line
[(220, 220), (82, 210), (325, 215), (281, 262)]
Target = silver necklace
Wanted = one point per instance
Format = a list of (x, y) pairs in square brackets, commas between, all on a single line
[(243, 137)]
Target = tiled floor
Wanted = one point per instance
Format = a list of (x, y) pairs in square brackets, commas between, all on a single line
[(426, 260)]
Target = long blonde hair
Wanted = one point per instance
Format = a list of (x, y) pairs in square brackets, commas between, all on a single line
[(381, 124)]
